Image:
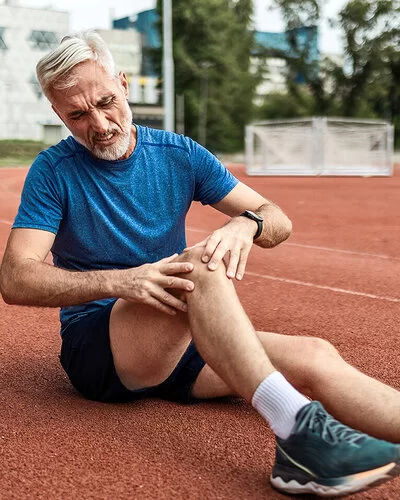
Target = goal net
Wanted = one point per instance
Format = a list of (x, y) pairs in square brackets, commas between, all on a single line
[(320, 146)]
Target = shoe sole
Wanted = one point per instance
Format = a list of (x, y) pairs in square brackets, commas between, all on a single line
[(348, 484)]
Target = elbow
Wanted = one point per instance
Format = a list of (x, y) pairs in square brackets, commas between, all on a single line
[(286, 230), (7, 289), (6, 296), (9, 298), (280, 232)]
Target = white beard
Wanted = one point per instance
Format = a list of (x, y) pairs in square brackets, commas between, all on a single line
[(119, 148)]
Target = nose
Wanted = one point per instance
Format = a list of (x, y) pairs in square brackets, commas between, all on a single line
[(99, 122)]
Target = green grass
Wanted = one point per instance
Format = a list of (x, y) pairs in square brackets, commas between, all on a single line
[(14, 153)]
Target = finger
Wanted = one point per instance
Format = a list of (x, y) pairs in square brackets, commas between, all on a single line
[(244, 254), (177, 283), (169, 259), (170, 301), (232, 267), (161, 307), (212, 243), (176, 268), (217, 256)]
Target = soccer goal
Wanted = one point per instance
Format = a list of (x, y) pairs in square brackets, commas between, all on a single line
[(320, 146)]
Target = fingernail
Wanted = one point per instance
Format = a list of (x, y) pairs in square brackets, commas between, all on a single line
[(190, 287), (239, 277), (231, 274), (205, 258), (184, 307), (212, 265)]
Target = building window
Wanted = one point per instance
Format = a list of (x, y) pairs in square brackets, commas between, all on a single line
[(43, 40), (3, 45)]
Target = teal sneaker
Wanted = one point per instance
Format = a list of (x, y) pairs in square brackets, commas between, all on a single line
[(326, 458)]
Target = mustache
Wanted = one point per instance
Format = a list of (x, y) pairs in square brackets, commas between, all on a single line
[(96, 135)]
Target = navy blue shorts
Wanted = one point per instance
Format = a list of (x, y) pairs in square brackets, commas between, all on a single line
[(87, 359)]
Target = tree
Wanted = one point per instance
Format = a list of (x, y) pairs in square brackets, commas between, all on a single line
[(212, 44), (301, 25), (371, 34), (368, 85), (279, 106)]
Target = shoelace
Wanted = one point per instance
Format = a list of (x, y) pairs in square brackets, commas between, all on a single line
[(331, 431)]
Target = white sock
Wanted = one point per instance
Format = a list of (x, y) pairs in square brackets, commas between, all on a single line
[(278, 402)]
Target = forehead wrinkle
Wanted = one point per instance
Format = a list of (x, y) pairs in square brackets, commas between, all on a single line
[(76, 99), (93, 85)]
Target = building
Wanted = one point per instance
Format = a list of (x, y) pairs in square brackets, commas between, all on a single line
[(145, 87), (125, 47), (127, 50), (270, 57), (26, 34), (272, 52), (146, 23)]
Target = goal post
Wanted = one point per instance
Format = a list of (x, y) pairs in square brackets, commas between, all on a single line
[(320, 146)]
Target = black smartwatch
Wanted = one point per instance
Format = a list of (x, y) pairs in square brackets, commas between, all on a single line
[(253, 216)]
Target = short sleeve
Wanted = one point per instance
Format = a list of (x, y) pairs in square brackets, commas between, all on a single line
[(213, 179), (41, 206)]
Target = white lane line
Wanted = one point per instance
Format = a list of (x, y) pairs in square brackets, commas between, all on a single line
[(351, 252), (195, 230), (323, 287), (316, 247)]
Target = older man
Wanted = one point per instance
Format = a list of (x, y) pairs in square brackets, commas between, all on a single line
[(141, 317)]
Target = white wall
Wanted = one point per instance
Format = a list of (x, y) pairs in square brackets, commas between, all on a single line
[(125, 48), (22, 112), (144, 90)]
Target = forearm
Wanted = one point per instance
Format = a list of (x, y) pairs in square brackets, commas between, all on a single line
[(277, 227), (36, 283)]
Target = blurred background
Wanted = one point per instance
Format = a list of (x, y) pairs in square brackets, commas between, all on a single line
[(235, 62)]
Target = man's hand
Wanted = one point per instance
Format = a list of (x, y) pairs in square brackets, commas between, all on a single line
[(149, 284), (231, 243)]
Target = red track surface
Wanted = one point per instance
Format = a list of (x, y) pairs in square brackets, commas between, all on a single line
[(337, 277)]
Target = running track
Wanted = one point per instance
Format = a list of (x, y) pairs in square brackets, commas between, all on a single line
[(338, 277)]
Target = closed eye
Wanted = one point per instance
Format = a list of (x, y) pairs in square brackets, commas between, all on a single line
[(104, 103), (76, 116)]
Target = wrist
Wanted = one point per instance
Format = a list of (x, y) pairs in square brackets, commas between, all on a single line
[(257, 219), (111, 282)]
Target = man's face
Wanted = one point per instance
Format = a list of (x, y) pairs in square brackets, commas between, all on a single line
[(96, 112)]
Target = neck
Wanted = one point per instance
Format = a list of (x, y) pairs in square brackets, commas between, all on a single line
[(132, 144)]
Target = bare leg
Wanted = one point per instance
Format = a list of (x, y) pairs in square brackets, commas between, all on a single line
[(147, 345), (223, 333), (315, 368)]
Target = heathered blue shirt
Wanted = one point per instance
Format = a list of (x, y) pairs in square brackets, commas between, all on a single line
[(119, 214)]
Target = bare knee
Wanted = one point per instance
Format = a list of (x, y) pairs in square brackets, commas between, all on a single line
[(321, 347), (200, 268), (321, 357)]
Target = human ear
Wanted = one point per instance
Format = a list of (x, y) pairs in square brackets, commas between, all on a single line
[(124, 82)]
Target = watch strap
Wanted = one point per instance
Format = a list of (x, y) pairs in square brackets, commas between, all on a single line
[(256, 218)]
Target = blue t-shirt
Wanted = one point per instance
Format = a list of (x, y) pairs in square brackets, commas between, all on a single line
[(119, 214)]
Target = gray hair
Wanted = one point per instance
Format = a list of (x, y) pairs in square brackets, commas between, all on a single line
[(54, 71)]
